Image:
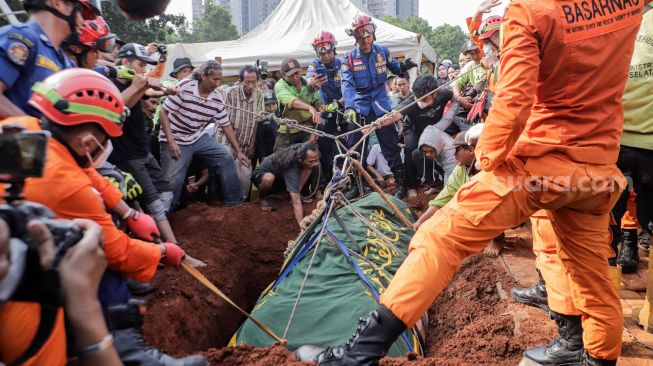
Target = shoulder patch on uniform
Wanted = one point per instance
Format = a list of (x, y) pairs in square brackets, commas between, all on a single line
[(28, 42), (344, 68), (18, 53), (47, 63), (311, 67)]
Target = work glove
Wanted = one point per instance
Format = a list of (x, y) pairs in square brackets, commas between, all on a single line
[(173, 256), (141, 225), (132, 188), (407, 65), (124, 72), (350, 116), (332, 107)]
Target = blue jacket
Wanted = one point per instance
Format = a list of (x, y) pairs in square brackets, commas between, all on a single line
[(26, 56), (364, 77), (330, 90)]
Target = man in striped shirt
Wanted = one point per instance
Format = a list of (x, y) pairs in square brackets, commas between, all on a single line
[(246, 111), (184, 118)]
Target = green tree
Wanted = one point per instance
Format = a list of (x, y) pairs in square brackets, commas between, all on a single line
[(446, 39), (165, 28), (215, 25)]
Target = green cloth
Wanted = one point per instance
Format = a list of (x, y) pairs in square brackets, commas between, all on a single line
[(287, 94), (334, 297), (638, 93), (473, 78), (458, 177)]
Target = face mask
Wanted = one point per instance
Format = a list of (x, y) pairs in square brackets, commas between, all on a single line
[(421, 104), (487, 49), (102, 158)]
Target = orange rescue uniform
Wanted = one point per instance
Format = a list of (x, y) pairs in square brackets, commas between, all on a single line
[(569, 129)]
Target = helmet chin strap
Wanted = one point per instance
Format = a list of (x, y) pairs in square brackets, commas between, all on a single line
[(70, 19)]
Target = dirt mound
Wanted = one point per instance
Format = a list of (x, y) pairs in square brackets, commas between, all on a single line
[(252, 356), (243, 248), (473, 322)]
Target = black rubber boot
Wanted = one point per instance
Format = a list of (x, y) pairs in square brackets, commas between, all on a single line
[(588, 360), (400, 183), (125, 323), (374, 336), (567, 347), (533, 296), (628, 256)]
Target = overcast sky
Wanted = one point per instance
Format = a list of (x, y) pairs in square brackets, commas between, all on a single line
[(436, 12)]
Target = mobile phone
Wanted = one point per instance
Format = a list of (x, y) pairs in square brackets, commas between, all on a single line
[(191, 179), (23, 153), (321, 71)]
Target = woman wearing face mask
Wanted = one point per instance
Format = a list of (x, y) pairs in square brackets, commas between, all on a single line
[(427, 111)]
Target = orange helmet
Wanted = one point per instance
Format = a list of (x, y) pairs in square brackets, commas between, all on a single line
[(95, 33), (76, 96), (361, 25), (489, 26), (325, 42)]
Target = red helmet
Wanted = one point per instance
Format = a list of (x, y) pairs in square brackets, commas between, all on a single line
[(95, 33), (489, 26), (325, 42), (76, 96), (90, 9), (362, 24)]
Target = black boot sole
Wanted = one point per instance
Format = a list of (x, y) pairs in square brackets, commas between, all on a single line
[(525, 361)]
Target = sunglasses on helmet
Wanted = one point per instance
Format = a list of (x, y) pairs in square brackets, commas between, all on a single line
[(323, 47), (365, 30), (106, 43)]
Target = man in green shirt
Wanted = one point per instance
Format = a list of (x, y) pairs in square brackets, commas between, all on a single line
[(299, 100), (471, 76)]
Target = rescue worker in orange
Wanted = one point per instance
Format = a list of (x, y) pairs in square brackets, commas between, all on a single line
[(82, 110), (554, 149)]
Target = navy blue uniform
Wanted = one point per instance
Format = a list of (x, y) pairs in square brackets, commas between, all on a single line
[(364, 78), (27, 56), (329, 92)]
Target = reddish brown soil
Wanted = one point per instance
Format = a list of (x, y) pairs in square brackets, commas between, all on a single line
[(243, 248), (470, 324)]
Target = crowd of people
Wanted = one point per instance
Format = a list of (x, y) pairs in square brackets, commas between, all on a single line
[(129, 145)]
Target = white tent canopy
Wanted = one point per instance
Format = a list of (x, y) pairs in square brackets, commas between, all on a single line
[(289, 31)]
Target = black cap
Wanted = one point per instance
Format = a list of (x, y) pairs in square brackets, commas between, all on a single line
[(135, 50), (459, 140), (179, 64), (469, 46), (269, 97), (290, 66)]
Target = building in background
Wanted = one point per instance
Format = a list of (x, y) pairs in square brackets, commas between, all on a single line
[(245, 14), (396, 8)]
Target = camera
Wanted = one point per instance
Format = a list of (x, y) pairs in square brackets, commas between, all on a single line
[(262, 67), (162, 48), (23, 155)]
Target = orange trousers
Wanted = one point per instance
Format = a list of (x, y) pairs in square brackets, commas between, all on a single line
[(19, 322), (579, 199), (545, 247), (629, 220)]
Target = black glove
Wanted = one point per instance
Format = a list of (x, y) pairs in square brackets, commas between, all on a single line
[(407, 65)]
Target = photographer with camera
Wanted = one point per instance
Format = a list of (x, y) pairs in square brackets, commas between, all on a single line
[(23, 337), (83, 110)]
